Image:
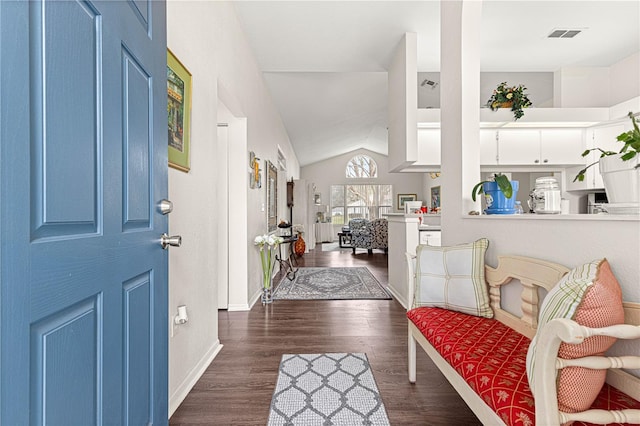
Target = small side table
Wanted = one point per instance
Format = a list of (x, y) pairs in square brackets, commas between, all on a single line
[(344, 239), (288, 263)]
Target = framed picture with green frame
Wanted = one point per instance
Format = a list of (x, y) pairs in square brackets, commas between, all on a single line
[(179, 113)]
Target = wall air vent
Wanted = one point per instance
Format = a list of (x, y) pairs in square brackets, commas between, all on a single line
[(429, 83), (564, 33)]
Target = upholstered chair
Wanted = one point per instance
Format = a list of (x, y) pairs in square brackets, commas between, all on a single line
[(369, 234)]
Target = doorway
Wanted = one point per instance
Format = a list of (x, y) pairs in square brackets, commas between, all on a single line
[(232, 210), (223, 216)]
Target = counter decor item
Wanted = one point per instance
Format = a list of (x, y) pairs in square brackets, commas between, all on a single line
[(545, 197), (268, 245), (620, 170), (513, 97), (500, 194)]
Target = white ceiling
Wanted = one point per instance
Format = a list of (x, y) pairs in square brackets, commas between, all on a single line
[(325, 62)]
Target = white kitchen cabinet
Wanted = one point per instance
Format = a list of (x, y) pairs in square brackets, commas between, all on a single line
[(488, 147), (429, 147), (513, 147), (601, 137), (561, 146), (540, 147), (430, 238), (518, 147)]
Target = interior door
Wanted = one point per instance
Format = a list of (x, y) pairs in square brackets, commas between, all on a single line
[(83, 167)]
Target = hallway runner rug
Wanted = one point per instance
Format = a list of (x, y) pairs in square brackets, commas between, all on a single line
[(326, 389), (330, 284)]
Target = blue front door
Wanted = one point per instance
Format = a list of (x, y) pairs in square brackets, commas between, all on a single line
[(83, 165)]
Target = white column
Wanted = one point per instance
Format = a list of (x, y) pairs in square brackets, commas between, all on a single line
[(460, 100)]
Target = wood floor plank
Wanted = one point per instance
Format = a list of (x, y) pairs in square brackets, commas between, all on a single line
[(236, 388)]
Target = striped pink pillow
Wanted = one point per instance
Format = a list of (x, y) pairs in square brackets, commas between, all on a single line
[(591, 296)]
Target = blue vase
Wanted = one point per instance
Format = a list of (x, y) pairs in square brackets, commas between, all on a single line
[(497, 203)]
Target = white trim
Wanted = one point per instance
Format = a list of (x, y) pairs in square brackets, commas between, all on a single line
[(240, 307), (248, 306), (397, 296), (190, 380)]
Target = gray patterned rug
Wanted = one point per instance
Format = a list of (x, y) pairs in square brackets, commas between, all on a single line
[(330, 283), (326, 389)]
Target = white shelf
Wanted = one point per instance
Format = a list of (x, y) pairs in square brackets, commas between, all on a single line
[(429, 118), (533, 117)]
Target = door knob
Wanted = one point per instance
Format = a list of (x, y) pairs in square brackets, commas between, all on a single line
[(174, 240), (165, 206)]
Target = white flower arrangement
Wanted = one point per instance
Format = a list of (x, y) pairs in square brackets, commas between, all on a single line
[(268, 245)]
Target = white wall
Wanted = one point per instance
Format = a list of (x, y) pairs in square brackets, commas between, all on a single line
[(332, 172), (582, 87), (539, 87), (625, 83), (597, 87), (208, 40), (403, 99)]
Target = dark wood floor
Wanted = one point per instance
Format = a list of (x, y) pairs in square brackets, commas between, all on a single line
[(236, 389)]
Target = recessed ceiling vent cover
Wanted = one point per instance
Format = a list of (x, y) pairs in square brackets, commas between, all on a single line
[(564, 33)]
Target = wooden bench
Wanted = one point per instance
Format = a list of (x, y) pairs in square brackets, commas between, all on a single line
[(534, 273)]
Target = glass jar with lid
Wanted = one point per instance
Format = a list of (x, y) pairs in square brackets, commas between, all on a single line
[(545, 197)]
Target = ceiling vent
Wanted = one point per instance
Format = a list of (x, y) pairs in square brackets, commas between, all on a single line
[(564, 33), (429, 83)]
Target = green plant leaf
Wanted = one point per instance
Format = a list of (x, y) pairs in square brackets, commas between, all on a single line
[(477, 190), (504, 184), (628, 156)]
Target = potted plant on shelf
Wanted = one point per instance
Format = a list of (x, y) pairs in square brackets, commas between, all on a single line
[(513, 97), (620, 170), (500, 194)]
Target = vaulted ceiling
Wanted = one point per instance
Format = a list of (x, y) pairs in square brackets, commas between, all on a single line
[(325, 62)]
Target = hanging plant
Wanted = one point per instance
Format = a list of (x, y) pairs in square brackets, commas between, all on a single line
[(509, 97)]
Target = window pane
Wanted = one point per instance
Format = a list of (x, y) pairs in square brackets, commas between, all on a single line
[(337, 215), (362, 201), (361, 166), (337, 195)]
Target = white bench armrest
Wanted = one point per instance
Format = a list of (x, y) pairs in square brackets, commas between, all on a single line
[(411, 278), (547, 363)]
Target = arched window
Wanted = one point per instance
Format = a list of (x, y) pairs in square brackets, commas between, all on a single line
[(362, 166)]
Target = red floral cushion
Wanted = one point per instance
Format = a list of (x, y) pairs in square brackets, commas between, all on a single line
[(491, 358)]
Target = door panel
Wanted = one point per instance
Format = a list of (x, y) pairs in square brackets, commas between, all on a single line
[(54, 365), (83, 162), (141, 10), (65, 90), (138, 144), (138, 326)]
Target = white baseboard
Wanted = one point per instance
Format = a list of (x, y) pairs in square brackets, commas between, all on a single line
[(397, 296), (196, 372), (245, 307), (241, 307)]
